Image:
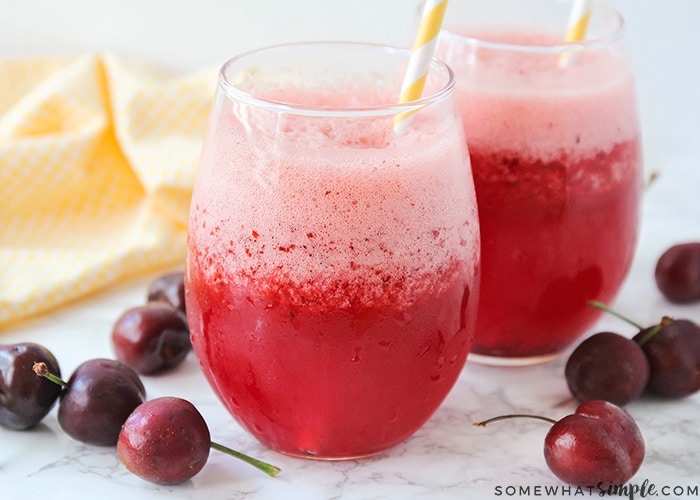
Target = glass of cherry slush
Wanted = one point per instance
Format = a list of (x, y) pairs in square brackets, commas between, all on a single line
[(555, 149), (332, 269)]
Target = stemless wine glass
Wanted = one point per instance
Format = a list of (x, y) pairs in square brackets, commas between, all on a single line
[(332, 270), (555, 149)]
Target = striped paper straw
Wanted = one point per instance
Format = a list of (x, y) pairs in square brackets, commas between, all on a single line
[(419, 63), (578, 20), (578, 24)]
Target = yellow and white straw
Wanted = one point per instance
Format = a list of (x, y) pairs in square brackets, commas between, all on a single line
[(578, 20), (421, 56), (579, 16)]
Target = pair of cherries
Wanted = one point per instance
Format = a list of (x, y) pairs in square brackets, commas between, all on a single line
[(94, 402), (663, 359)]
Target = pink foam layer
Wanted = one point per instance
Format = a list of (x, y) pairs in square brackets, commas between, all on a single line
[(335, 196), (540, 107)]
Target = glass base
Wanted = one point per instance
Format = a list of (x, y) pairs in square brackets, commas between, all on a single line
[(323, 458), (484, 359)]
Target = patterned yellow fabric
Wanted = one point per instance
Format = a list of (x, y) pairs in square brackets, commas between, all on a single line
[(97, 160)]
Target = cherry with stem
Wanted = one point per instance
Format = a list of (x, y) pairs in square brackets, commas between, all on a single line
[(672, 348), (167, 441), (599, 443), (96, 399)]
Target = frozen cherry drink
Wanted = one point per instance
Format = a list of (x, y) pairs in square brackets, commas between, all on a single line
[(333, 265), (555, 149)]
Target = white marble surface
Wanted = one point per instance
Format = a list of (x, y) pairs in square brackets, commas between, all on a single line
[(447, 458)]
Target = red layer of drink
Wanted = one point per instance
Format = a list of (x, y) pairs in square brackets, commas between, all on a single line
[(316, 373), (565, 236)]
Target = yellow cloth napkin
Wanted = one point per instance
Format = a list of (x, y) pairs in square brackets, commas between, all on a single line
[(97, 159)]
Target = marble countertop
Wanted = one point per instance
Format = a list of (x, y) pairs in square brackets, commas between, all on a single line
[(448, 457)]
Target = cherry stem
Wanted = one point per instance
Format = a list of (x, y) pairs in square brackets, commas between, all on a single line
[(651, 179), (647, 337), (653, 331), (268, 469), (42, 370), (605, 308), (484, 423)]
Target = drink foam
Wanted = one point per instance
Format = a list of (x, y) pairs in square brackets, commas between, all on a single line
[(321, 198), (536, 106)]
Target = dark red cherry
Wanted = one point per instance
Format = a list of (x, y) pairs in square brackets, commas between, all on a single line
[(25, 399), (677, 273), (151, 338), (169, 288), (673, 350), (166, 441), (598, 444), (607, 366), (97, 399)]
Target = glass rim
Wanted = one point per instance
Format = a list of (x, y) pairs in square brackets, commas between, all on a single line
[(555, 48), (384, 109)]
